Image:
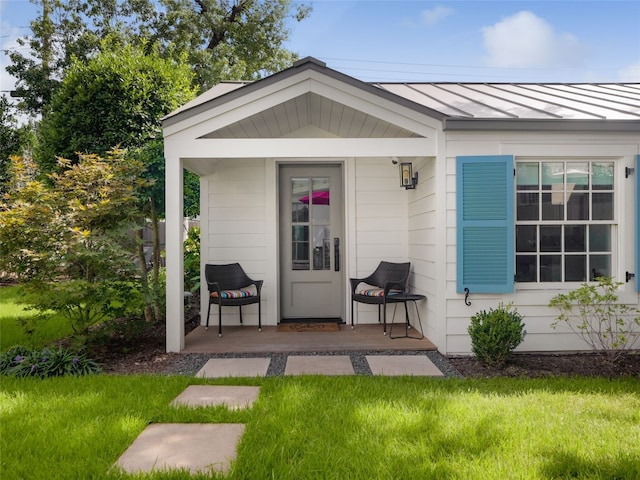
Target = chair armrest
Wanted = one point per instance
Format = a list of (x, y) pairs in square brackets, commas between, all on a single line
[(258, 284), (213, 287), (354, 283)]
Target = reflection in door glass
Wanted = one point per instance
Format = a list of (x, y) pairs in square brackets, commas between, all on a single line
[(300, 247), (321, 248), (320, 200)]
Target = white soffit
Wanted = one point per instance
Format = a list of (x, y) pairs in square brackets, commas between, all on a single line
[(314, 110)]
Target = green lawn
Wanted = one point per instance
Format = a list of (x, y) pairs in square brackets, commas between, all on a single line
[(12, 333), (338, 427)]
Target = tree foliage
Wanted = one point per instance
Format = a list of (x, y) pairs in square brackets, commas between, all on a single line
[(222, 39), (116, 99), (14, 139), (68, 241)]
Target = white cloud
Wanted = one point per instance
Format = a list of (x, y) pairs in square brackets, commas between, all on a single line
[(526, 40), (433, 15), (9, 37), (630, 74)]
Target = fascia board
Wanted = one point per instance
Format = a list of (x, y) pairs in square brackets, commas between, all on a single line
[(540, 125)]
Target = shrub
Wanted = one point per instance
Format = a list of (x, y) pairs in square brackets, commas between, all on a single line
[(192, 260), (593, 312), (495, 334), (24, 362)]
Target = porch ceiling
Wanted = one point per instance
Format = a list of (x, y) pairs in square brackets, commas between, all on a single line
[(314, 110)]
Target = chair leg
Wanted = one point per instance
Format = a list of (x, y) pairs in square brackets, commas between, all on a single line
[(219, 319), (208, 313), (259, 316), (240, 306), (384, 316), (378, 313), (352, 313)]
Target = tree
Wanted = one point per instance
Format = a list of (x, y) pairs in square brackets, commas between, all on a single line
[(223, 39), (68, 240), (116, 98), (14, 140)]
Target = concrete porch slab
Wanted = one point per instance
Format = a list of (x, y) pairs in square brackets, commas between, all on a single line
[(319, 365), (214, 395), (234, 367), (396, 365), (195, 447)]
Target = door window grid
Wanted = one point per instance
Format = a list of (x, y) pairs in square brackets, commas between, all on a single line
[(310, 214), (564, 220)]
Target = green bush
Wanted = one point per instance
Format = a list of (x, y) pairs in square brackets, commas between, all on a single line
[(593, 312), (24, 362), (192, 260), (495, 334)]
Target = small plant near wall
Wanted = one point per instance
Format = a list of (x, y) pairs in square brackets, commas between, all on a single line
[(495, 334), (593, 312)]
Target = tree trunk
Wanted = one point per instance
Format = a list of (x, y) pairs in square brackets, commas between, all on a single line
[(157, 310), (144, 278)]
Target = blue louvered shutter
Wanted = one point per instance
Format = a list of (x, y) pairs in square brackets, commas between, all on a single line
[(485, 224), (637, 175)]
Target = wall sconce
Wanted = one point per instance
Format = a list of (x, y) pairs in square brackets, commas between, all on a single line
[(407, 178)]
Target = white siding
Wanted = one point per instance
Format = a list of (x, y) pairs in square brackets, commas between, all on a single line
[(235, 230), (532, 302)]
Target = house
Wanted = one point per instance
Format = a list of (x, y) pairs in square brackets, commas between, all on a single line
[(522, 191)]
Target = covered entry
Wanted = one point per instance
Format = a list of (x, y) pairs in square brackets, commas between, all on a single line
[(255, 147)]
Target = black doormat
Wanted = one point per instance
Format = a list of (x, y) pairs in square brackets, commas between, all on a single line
[(308, 327)]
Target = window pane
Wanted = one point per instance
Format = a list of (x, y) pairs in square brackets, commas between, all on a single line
[(575, 268), (300, 247), (527, 176), (602, 206), (550, 238), (599, 238), (299, 191), (321, 248), (578, 206), (600, 266), (553, 206), (574, 238), (528, 206), (602, 176), (526, 267), (550, 268), (577, 176), (552, 176), (320, 200), (526, 238)]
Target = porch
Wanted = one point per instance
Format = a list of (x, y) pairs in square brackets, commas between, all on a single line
[(247, 339)]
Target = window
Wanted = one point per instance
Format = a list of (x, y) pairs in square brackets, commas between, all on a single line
[(564, 220)]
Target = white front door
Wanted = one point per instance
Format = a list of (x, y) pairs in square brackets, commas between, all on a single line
[(311, 242)]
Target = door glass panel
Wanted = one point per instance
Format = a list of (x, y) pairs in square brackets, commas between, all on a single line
[(321, 248), (300, 247), (299, 208), (320, 200)]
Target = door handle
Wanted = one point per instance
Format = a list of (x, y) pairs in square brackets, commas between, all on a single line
[(336, 254)]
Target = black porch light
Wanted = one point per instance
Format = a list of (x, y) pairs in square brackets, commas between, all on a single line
[(408, 179)]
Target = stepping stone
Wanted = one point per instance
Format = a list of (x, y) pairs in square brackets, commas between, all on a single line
[(234, 367), (214, 395), (319, 365), (196, 447), (396, 365)]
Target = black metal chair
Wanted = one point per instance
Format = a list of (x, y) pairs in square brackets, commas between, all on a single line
[(229, 286), (387, 280)]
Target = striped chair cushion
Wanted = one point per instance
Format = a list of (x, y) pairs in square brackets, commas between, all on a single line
[(377, 292), (234, 294)]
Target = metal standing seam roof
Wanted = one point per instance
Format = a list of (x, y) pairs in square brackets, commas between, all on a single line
[(463, 103)]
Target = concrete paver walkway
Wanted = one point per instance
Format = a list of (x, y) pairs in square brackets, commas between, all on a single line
[(212, 447), (394, 365), (196, 447), (319, 365), (214, 395), (235, 367)]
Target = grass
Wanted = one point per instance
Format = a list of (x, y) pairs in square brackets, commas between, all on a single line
[(337, 427), (11, 331)]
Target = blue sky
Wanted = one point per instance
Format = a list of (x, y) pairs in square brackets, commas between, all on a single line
[(466, 41)]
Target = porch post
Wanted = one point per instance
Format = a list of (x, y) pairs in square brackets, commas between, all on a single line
[(174, 254)]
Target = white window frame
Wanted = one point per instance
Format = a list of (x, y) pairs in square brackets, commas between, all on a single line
[(621, 226)]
